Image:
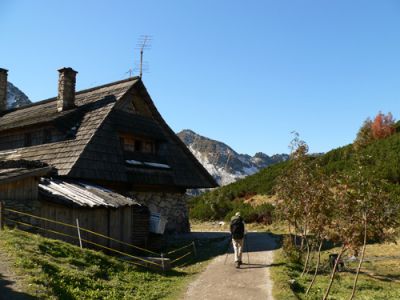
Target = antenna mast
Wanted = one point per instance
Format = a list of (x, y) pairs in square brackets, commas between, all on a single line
[(143, 43)]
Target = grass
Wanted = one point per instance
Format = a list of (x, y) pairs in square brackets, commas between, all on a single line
[(280, 274), (379, 279), (198, 226), (51, 269)]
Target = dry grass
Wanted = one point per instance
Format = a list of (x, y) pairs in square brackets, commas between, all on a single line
[(385, 269), (379, 277), (261, 199), (220, 226)]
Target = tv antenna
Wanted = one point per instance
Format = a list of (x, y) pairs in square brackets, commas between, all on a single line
[(144, 42), (130, 71)]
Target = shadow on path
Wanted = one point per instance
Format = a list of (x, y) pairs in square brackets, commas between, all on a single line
[(8, 293), (258, 242), (258, 266)]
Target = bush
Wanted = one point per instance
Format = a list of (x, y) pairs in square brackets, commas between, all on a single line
[(265, 213), (290, 251), (201, 211), (224, 209), (222, 203)]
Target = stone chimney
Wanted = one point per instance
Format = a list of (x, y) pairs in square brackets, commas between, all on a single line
[(3, 89), (66, 89)]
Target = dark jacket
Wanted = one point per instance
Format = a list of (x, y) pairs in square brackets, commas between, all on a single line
[(237, 227)]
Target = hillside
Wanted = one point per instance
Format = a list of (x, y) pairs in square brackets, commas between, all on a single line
[(382, 160), (51, 269), (224, 163)]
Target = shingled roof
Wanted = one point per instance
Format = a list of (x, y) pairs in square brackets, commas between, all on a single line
[(93, 106), (16, 170), (94, 151)]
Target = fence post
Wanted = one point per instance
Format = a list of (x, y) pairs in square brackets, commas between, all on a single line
[(79, 232), (194, 249), (162, 262), (1, 215)]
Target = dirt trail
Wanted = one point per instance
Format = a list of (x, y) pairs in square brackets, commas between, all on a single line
[(251, 281)]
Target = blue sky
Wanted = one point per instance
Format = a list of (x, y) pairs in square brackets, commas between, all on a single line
[(243, 72)]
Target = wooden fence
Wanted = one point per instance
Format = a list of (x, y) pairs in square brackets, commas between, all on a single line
[(154, 260)]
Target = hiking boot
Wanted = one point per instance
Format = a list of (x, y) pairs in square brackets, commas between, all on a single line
[(237, 264), (240, 263)]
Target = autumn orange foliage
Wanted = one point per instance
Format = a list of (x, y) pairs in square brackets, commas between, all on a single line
[(382, 126)]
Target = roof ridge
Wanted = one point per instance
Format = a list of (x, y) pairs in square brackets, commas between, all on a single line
[(107, 85), (76, 93)]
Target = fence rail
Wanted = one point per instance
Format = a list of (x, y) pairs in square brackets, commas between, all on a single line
[(136, 260), (82, 229)]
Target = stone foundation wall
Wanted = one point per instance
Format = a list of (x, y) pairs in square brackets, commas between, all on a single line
[(171, 205)]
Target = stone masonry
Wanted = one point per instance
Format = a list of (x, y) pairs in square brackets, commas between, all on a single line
[(66, 89), (170, 205)]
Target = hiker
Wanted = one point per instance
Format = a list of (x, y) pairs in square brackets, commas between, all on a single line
[(237, 232)]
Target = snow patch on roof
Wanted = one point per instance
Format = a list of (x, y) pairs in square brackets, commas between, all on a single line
[(134, 162), (157, 165), (147, 163)]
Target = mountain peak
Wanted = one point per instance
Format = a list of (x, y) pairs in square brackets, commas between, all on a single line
[(221, 161), (15, 97)]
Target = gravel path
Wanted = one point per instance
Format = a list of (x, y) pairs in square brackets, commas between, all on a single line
[(251, 281)]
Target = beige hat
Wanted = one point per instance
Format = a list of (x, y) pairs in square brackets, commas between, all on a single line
[(237, 214)]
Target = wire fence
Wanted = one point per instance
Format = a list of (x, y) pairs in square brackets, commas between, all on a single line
[(154, 260)]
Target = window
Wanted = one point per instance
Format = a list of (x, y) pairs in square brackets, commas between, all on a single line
[(148, 147), (131, 143), (138, 145)]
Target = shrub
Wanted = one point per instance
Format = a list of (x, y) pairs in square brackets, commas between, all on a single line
[(201, 211), (292, 253)]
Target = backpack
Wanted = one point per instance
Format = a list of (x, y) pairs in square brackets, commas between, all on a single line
[(237, 228)]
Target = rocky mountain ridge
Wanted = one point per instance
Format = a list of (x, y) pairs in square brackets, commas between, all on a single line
[(224, 163), (16, 97)]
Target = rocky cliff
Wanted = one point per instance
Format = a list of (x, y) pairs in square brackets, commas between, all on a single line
[(224, 163), (15, 97)]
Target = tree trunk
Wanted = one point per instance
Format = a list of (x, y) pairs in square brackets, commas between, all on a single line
[(303, 237), (316, 267), (361, 259), (333, 273), (312, 255), (296, 231), (307, 257)]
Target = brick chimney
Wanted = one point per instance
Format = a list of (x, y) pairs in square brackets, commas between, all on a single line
[(3, 89), (66, 89)]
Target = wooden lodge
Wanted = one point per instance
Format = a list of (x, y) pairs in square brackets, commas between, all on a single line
[(103, 155)]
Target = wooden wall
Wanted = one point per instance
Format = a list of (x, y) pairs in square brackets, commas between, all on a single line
[(21, 195), (127, 224), (21, 190)]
